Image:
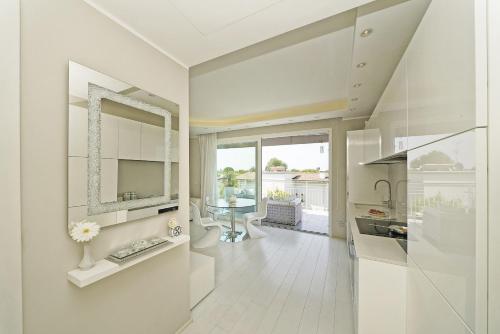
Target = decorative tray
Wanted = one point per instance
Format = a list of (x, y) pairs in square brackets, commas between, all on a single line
[(137, 248)]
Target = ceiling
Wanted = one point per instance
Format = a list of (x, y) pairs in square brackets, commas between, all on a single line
[(194, 31), (252, 66), (306, 79)]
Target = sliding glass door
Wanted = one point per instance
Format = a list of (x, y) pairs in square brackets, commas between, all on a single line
[(236, 170)]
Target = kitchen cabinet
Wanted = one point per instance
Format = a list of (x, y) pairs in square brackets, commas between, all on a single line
[(129, 139), (428, 311), (360, 178), (372, 145), (109, 136), (378, 294), (447, 225), (441, 68), (152, 143), (381, 297), (438, 88), (391, 113)]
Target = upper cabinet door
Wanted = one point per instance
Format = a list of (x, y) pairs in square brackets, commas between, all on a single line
[(392, 113), (442, 73), (390, 118), (152, 143), (447, 235), (109, 136), (129, 146)]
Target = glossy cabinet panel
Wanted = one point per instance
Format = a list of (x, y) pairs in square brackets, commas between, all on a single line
[(443, 211), (360, 179), (129, 143), (390, 115), (371, 145), (152, 143), (427, 311), (109, 136), (441, 73)]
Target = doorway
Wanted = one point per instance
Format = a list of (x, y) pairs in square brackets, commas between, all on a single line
[(296, 178)]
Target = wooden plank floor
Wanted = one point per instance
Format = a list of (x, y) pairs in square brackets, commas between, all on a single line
[(288, 282)]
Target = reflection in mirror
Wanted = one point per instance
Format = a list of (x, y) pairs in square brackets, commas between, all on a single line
[(122, 150)]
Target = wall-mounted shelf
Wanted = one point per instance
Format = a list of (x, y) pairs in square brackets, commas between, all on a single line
[(105, 268)]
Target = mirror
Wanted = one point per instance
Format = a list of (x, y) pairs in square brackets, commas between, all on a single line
[(122, 150)]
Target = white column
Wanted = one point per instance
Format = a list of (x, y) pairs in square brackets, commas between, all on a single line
[(10, 149)]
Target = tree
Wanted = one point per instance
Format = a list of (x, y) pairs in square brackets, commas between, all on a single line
[(228, 170), (229, 177), (434, 157), (275, 162)]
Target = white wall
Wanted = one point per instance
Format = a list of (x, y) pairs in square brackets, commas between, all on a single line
[(338, 167), (194, 168), (152, 297), (10, 197), (494, 164)]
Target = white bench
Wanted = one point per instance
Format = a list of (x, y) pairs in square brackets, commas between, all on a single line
[(202, 277)]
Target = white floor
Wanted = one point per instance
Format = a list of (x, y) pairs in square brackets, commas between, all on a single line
[(289, 282)]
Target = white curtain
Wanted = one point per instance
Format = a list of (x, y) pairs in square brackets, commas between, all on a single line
[(208, 151)]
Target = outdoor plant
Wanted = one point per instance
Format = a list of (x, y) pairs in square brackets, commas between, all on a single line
[(278, 195), (229, 176)]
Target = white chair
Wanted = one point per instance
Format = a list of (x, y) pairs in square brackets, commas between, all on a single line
[(255, 218), (210, 229)]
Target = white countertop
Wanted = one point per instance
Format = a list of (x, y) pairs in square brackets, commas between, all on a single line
[(377, 248)]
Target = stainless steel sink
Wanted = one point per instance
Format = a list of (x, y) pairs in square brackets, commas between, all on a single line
[(378, 227)]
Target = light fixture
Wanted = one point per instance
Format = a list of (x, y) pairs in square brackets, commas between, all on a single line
[(361, 65), (357, 85), (354, 99), (367, 32)]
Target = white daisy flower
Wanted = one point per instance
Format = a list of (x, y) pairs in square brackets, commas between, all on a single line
[(84, 231)]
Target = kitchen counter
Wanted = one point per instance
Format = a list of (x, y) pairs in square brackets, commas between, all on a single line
[(376, 248)]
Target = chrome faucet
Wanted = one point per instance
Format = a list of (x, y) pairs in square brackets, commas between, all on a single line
[(389, 202)]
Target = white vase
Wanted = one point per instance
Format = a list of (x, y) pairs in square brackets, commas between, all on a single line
[(87, 260)]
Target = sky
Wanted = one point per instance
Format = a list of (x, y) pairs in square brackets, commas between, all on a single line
[(299, 156)]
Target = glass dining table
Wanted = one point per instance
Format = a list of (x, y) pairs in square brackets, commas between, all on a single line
[(241, 204)]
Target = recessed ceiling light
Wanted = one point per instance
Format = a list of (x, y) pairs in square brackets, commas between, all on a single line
[(357, 85), (366, 32), (354, 99), (361, 65)]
